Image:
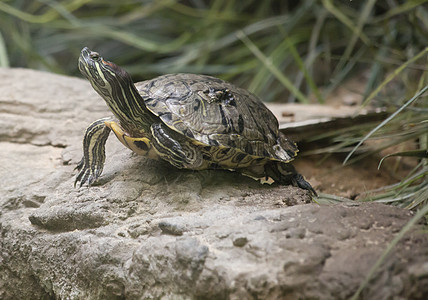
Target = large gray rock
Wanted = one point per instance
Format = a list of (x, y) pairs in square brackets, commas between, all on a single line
[(147, 231)]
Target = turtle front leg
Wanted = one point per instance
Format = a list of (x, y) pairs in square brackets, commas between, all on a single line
[(91, 165)]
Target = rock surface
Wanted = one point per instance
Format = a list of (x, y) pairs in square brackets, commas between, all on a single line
[(147, 231)]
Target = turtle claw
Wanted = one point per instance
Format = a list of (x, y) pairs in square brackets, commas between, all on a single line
[(82, 176)]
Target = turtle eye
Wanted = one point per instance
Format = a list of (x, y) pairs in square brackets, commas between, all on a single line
[(94, 55)]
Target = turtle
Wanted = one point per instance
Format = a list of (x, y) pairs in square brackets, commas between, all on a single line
[(192, 121)]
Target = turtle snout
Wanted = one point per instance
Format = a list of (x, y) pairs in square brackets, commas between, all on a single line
[(87, 55), (85, 51), (82, 64), (82, 69)]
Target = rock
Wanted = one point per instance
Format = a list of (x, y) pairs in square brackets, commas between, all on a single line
[(148, 231), (240, 241), (170, 228)]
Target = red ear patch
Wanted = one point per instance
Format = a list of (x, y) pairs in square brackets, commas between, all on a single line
[(116, 69), (109, 63)]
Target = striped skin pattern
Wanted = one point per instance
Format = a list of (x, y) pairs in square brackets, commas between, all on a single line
[(192, 121), (92, 163)]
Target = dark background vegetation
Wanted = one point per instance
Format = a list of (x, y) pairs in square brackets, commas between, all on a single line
[(284, 51)]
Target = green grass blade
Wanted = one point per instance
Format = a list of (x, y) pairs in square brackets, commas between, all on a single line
[(412, 153), (414, 98), (268, 64), (362, 19), (46, 17), (305, 72), (328, 4), (394, 74), (4, 60), (400, 9)]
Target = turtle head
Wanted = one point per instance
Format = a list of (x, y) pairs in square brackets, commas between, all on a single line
[(103, 75), (116, 87)]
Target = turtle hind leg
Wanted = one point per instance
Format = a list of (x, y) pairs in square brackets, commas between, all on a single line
[(173, 149), (285, 173), (91, 165), (299, 181)]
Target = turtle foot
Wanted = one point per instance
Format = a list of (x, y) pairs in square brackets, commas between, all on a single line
[(299, 181), (86, 174), (285, 173)]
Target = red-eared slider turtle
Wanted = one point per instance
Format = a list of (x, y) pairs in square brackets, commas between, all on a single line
[(191, 121)]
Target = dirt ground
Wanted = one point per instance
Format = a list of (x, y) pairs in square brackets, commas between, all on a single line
[(352, 181), (327, 173)]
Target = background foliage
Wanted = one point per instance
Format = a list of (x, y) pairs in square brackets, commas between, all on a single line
[(284, 51)]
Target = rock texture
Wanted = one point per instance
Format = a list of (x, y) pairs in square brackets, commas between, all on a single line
[(147, 231)]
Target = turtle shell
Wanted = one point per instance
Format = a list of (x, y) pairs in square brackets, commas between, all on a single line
[(213, 112)]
